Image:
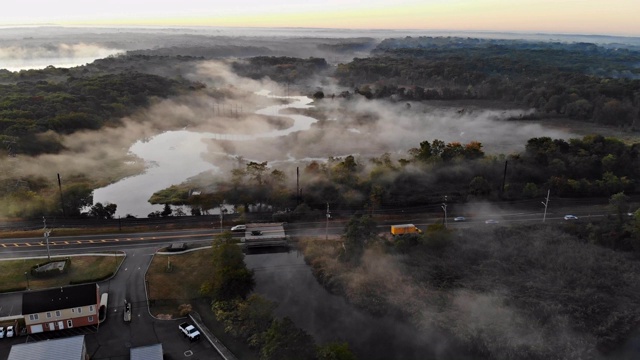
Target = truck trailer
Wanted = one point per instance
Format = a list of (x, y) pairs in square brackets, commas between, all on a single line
[(404, 229)]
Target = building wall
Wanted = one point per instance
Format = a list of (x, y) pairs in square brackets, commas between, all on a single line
[(82, 316)]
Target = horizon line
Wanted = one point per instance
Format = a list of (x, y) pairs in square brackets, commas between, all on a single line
[(152, 26)]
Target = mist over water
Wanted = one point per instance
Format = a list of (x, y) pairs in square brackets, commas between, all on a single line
[(286, 279), (63, 55), (174, 156)]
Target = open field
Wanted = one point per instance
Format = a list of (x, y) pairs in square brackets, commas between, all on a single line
[(14, 274), (176, 279)]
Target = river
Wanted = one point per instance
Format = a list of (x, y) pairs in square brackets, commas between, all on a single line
[(174, 156)]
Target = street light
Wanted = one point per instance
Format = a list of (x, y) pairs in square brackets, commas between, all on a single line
[(26, 275)]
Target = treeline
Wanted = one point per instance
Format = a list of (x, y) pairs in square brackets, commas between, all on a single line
[(593, 166), (281, 69), (580, 81), (31, 108)]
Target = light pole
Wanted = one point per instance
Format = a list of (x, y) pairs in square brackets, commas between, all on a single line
[(26, 275), (546, 203), (444, 207)]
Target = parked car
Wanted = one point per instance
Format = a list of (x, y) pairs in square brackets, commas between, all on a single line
[(459, 218), (10, 331), (256, 232), (570, 217), (1, 332), (239, 228), (189, 331), (491, 221)]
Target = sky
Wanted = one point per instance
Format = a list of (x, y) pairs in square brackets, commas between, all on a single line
[(602, 17)]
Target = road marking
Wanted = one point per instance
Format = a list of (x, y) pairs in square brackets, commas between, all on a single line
[(3, 245), (27, 244)]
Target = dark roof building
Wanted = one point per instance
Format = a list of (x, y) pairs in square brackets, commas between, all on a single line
[(59, 298), (61, 308)]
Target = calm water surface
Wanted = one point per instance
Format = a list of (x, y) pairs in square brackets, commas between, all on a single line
[(286, 279)]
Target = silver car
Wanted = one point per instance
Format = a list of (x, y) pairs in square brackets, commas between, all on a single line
[(239, 228)]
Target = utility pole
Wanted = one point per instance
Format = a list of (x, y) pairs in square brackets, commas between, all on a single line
[(444, 207), (546, 203), (46, 237), (64, 214), (221, 215), (297, 185), (504, 178), (326, 231)]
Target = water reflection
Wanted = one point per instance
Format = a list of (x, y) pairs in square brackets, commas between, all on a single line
[(174, 156), (286, 279)]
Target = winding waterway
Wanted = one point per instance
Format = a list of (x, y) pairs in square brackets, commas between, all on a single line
[(174, 156)]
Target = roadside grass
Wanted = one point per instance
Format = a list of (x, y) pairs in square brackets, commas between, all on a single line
[(83, 269), (173, 279), (16, 234)]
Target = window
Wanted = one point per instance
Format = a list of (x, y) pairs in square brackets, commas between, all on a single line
[(79, 310), (92, 308), (58, 314), (73, 310), (48, 315), (33, 317), (90, 319), (69, 323)]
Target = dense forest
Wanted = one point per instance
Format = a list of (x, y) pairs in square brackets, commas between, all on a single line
[(30, 108), (580, 81)]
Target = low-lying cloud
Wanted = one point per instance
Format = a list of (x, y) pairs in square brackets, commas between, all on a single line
[(16, 57)]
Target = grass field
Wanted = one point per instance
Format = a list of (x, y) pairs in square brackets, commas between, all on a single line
[(14, 274), (176, 279)]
